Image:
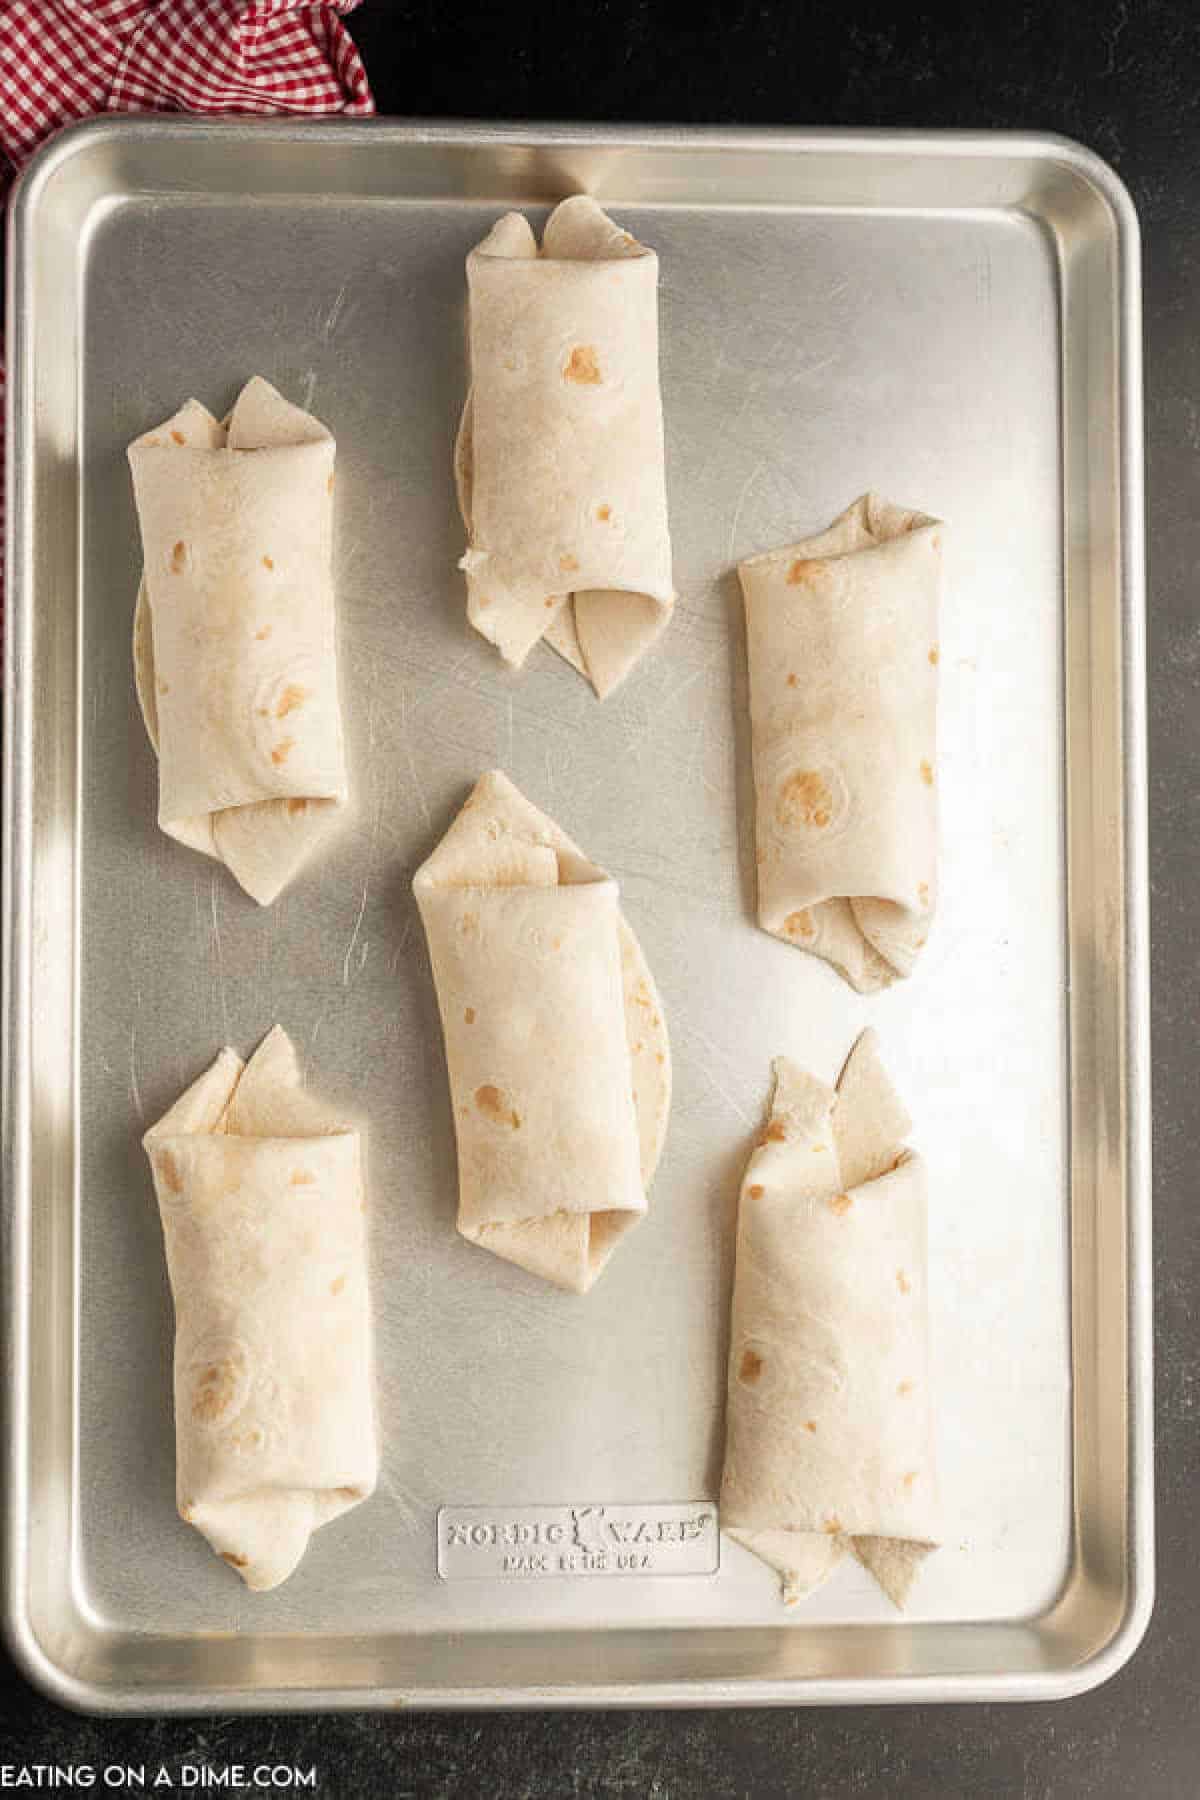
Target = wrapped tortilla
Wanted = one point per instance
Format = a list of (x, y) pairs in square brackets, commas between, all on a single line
[(842, 638), (560, 452), (559, 1064), (234, 633), (260, 1191), (829, 1441)]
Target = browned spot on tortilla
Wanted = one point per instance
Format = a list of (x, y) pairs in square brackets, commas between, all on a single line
[(153, 443), (910, 1478), (641, 994), (551, 600), (833, 1525), (659, 1057), (934, 654), (297, 806), (335, 1287), (469, 924), (268, 562), (329, 485), (800, 924), (236, 1562), (484, 600), (905, 1387), (810, 1424), (282, 750), (178, 557), (801, 571), (935, 542), (604, 512), (187, 1512), (923, 893), (803, 799), (168, 1168), (213, 1392), (164, 687), (179, 437), (793, 678), (775, 1133), (756, 1192), (902, 1282), (492, 1101), (292, 696), (582, 366), (927, 772), (568, 564), (840, 1203), (264, 633), (751, 1367), (302, 1178)]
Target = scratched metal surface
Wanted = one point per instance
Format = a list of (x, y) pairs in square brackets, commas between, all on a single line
[(809, 350)]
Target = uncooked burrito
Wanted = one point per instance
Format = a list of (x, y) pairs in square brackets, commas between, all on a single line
[(556, 1045), (260, 1192), (560, 453), (234, 634), (830, 1422), (843, 653)]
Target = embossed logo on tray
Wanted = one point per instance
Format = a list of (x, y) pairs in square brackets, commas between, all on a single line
[(500, 1543)]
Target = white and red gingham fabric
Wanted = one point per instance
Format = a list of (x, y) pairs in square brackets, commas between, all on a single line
[(62, 60)]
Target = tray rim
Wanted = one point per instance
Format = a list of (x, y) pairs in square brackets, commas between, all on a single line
[(16, 947)]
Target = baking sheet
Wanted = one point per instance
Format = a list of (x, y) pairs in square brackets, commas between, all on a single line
[(929, 318)]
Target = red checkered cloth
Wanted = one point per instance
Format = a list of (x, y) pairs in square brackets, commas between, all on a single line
[(62, 60)]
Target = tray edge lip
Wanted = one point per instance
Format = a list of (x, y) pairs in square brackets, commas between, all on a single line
[(1135, 973), (982, 144), (95, 1700), (16, 930)]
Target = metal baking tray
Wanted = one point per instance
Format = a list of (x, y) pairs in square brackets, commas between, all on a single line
[(952, 320)]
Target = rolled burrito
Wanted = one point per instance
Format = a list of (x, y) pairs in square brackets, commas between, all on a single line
[(829, 1441), (842, 639), (560, 451), (556, 1046), (234, 641), (260, 1192)]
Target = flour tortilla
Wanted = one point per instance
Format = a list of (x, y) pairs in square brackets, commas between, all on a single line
[(556, 1046), (830, 1422), (842, 639), (559, 459), (260, 1192), (234, 633)]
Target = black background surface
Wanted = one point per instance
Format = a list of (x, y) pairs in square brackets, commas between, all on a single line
[(1123, 76)]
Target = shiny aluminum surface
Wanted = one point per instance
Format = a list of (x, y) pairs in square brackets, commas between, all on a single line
[(951, 320)]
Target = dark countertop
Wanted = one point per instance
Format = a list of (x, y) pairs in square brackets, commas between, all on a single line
[(1123, 76)]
